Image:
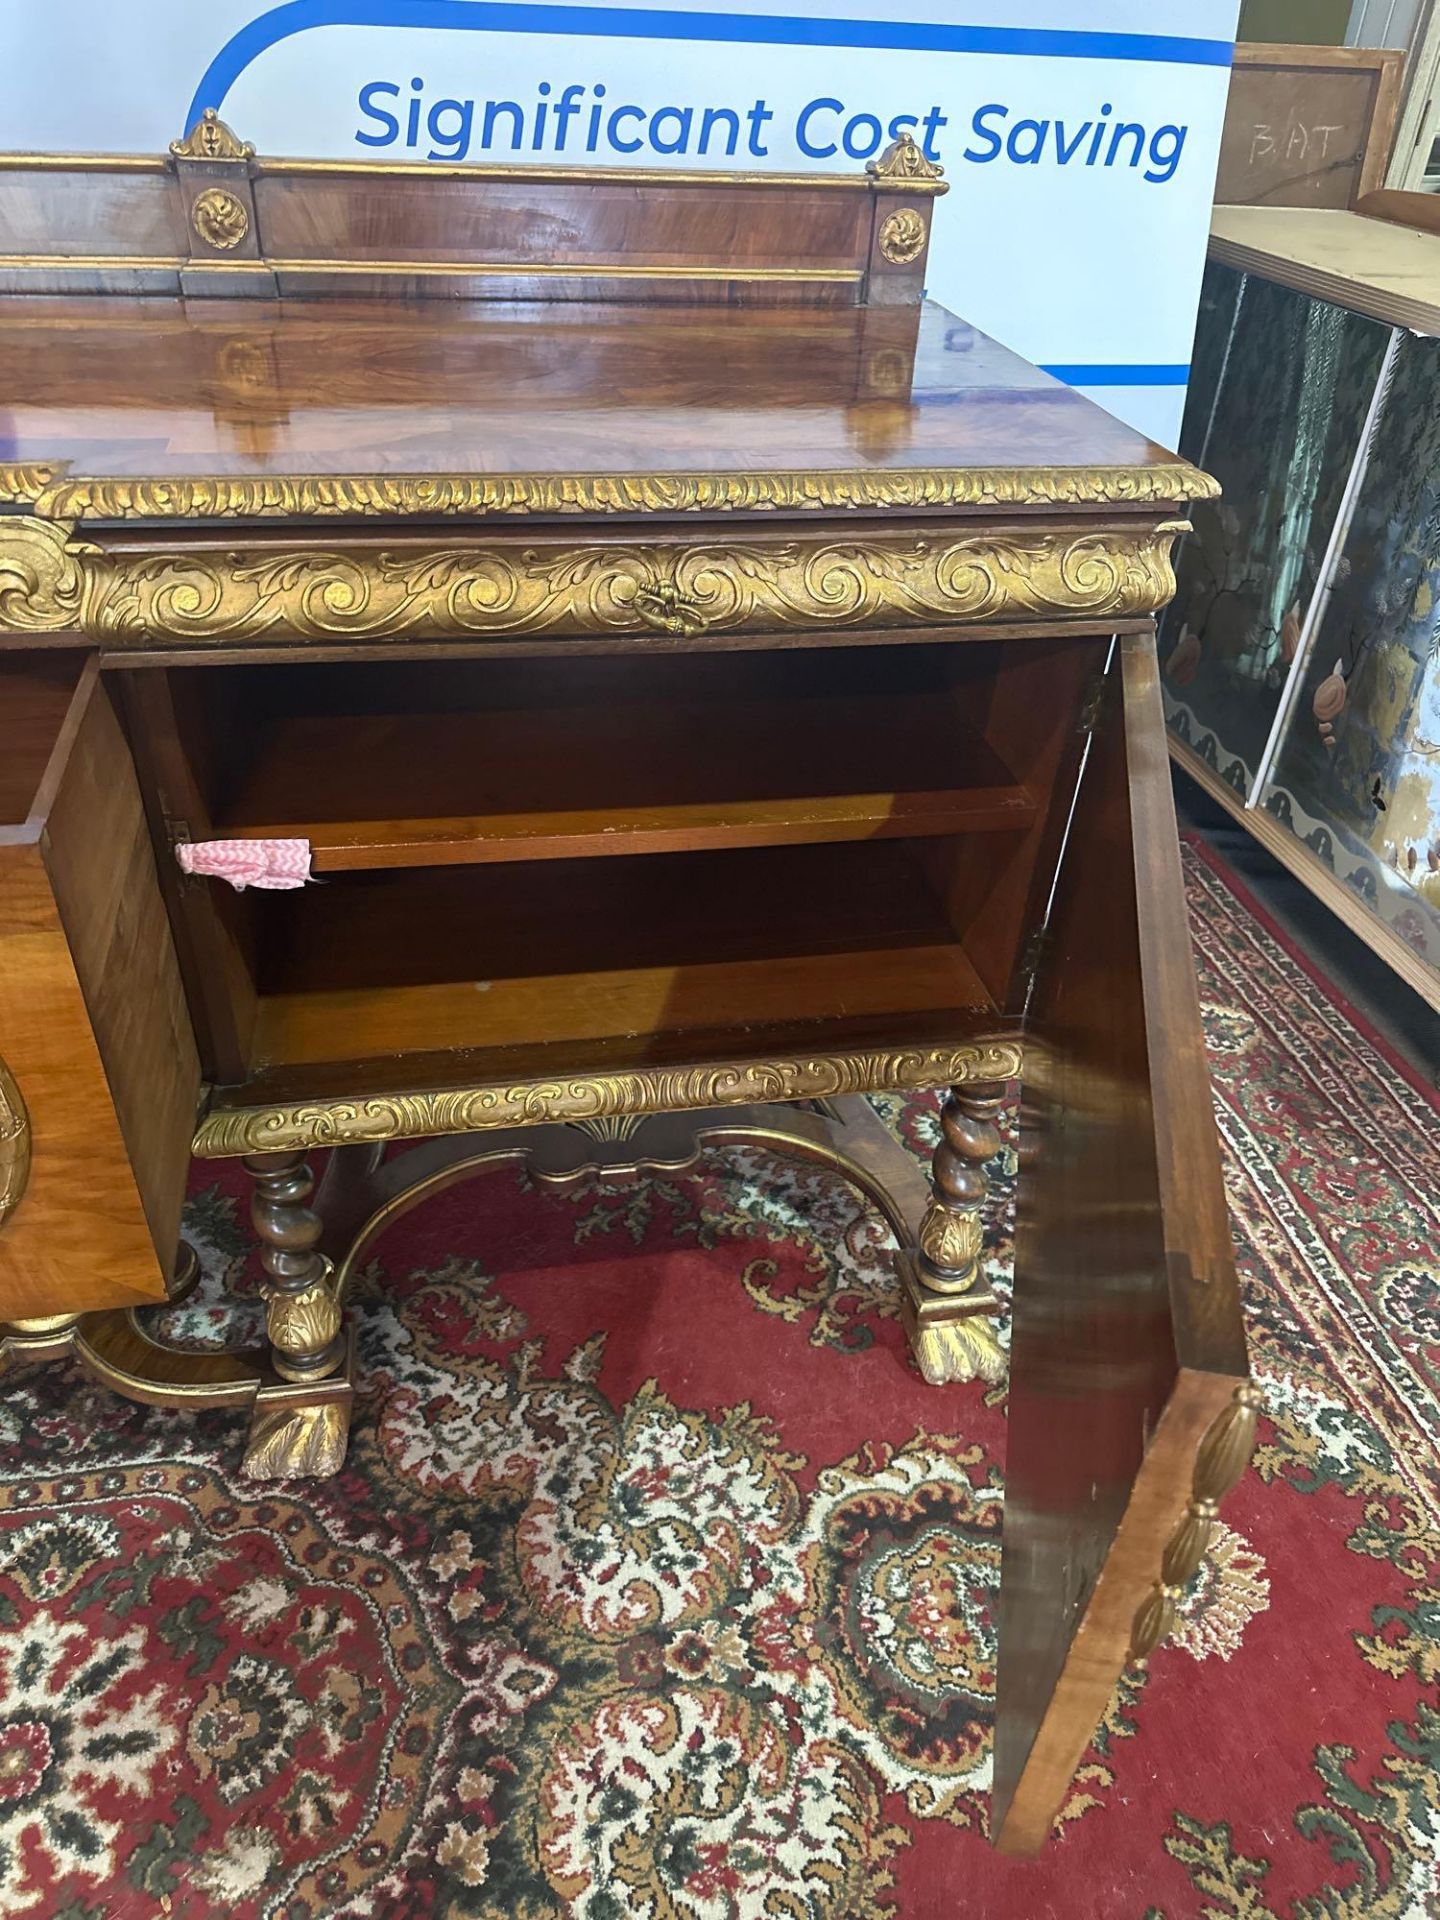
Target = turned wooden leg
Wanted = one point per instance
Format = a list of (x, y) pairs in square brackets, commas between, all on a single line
[(943, 1307), (300, 1426)]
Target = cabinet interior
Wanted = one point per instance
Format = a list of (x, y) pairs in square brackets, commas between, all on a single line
[(630, 858)]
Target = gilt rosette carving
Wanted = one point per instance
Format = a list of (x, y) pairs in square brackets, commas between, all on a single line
[(359, 593), (220, 218), (401, 1116), (902, 236)]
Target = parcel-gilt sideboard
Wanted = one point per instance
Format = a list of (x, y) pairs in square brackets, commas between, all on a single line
[(504, 662)]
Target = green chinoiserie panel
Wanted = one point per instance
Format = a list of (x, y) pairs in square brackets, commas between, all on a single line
[(1281, 391), (1357, 774)]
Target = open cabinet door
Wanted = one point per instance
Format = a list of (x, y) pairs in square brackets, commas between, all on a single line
[(1130, 1411), (99, 1077)]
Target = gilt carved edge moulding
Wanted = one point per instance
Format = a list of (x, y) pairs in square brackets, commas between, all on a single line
[(226, 1131), (55, 494)]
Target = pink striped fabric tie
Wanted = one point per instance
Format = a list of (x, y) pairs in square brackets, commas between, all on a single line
[(272, 864)]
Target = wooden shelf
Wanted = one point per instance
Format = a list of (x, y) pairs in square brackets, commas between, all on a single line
[(814, 941), (619, 776)]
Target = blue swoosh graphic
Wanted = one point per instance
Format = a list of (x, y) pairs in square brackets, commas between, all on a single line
[(1113, 373), (628, 23)]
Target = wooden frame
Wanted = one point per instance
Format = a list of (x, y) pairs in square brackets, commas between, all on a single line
[(1333, 144), (1418, 122)]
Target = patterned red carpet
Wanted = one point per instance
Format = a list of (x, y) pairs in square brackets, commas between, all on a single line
[(658, 1585)]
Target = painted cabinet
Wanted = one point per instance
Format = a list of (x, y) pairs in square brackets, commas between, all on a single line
[(1301, 656)]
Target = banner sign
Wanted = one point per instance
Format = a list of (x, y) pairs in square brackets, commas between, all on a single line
[(1081, 160)]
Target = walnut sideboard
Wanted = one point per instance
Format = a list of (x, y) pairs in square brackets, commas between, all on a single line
[(711, 681)]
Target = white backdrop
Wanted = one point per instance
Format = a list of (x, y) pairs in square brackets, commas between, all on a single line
[(1080, 143)]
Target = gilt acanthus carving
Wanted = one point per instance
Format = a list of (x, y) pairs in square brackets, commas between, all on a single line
[(1223, 1456), (401, 1116), (211, 139), (298, 1442), (904, 161), (303, 1322), (952, 1240), (360, 592)]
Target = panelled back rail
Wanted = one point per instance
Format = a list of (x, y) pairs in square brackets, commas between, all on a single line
[(712, 684), (213, 218)]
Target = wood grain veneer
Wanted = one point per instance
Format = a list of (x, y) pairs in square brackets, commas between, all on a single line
[(96, 1038)]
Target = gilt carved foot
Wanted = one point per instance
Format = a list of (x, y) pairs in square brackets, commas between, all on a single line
[(295, 1438), (300, 1426), (952, 1337), (943, 1310)]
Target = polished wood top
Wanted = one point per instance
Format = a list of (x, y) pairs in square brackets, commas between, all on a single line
[(321, 406)]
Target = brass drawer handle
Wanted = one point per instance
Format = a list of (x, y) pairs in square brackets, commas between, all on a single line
[(664, 607)]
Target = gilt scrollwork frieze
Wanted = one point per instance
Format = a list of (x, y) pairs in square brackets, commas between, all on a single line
[(474, 589), (594, 1097)]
